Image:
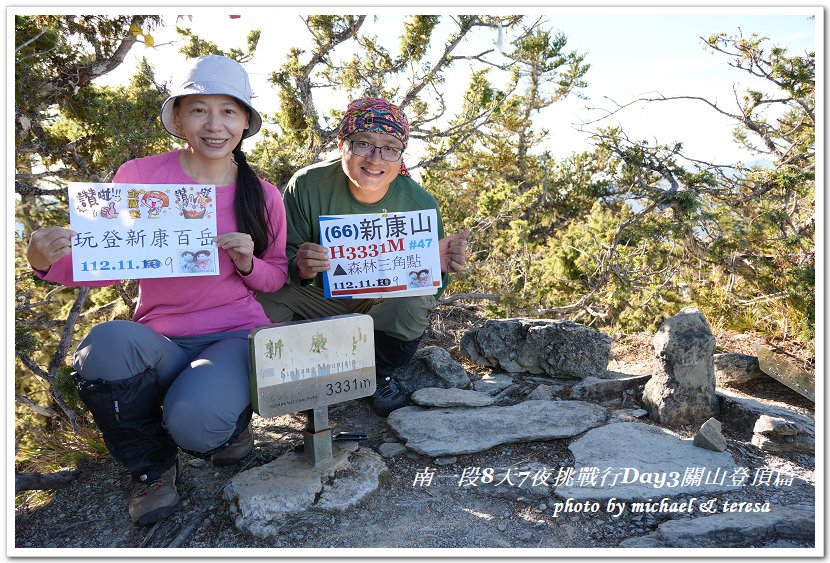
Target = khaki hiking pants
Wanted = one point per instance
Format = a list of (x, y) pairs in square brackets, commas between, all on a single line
[(404, 318)]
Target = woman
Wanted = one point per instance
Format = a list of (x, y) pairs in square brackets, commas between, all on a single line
[(177, 375)]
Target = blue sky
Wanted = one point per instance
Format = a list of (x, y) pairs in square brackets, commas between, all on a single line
[(633, 54), (632, 51)]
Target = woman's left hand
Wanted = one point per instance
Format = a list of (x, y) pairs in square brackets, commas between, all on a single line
[(240, 247)]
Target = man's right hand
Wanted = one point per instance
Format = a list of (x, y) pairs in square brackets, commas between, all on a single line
[(311, 260), (47, 246)]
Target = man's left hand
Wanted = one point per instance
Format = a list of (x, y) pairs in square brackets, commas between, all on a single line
[(453, 252)]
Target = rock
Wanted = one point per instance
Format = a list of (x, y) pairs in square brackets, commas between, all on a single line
[(786, 373), (805, 444), (544, 393), (348, 445), (432, 367), (452, 431), (782, 544), (743, 413), (539, 346), (738, 529), (595, 389), (628, 415), (682, 390), (773, 426), (775, 434), (565, 349), (353, 482), (493, 384), (710, 437), (736, 369), (261, 498), (449, 460), (391, 449), (437, 397), (495, 344), (634, 456)]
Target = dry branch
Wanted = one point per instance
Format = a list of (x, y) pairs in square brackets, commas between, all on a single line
[(457, 296), (42, 481)]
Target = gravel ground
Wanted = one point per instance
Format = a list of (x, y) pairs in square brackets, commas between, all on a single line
[(92, 511)]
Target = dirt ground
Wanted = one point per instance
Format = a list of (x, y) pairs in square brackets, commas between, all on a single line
[(92, 511)]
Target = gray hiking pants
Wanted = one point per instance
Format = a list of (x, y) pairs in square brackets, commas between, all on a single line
[(200, 382)]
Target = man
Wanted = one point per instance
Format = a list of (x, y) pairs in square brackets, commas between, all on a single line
[(368, 177)]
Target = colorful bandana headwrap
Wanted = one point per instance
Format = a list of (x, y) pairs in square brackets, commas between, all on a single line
[(376, 115)]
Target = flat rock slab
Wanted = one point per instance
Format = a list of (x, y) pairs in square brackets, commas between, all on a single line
[(438, 397), (493, 384), (639, 456), (739, 415), (451, 431), (261, 498), (737, 529), (627, 415), (391, 449), (545, 392)]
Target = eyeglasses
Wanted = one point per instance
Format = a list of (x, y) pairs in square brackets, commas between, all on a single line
[(362, 148)]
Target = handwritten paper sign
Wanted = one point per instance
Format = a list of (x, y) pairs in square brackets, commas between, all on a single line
[(130, 231), (381, 254)]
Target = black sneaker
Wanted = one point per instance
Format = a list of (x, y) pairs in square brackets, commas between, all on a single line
[(388, 396)]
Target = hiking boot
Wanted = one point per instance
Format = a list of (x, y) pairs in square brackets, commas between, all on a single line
[(388, 396), (236, 451), (151, 502)]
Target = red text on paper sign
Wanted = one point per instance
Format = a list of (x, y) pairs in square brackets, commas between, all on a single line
[(365, 251)]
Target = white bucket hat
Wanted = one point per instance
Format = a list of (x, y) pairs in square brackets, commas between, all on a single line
[(213, 74)]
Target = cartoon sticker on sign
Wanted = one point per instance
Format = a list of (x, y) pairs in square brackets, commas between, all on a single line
[(155, 201), (381, 254), (130, 231)]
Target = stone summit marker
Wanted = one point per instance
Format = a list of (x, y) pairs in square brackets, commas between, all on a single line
[(306, 366)]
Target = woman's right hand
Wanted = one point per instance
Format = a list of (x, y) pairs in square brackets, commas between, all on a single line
[(47, 246), (311, 260)]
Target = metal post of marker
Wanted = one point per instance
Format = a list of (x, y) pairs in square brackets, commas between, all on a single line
[(317, 437)]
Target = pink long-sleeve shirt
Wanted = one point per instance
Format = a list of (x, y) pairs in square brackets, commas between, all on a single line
[(198, 305)]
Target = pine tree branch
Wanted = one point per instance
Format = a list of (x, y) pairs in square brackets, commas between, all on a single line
[(75, 78), (33, 367), (59, 356), (30, 41), (39, 409), (464, 27)]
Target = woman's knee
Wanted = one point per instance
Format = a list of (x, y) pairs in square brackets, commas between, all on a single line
[(197, 426), (116, 350), (202, 406)]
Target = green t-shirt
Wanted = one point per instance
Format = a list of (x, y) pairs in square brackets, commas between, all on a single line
[(323, 189)]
